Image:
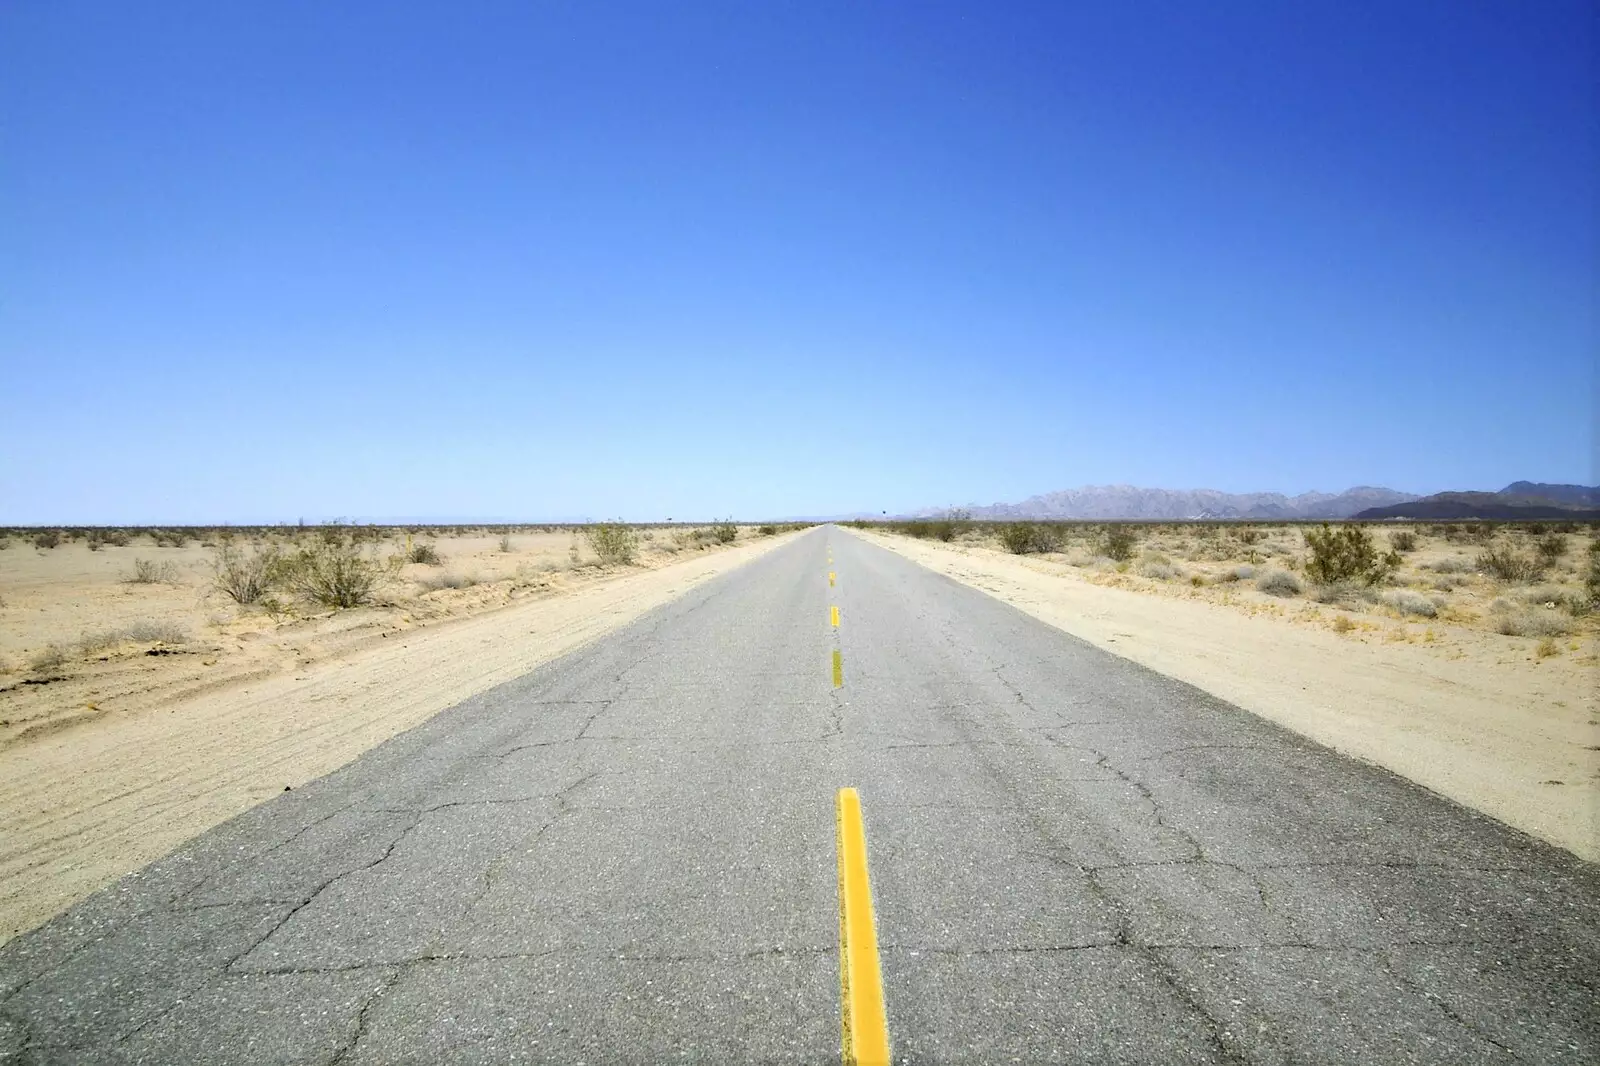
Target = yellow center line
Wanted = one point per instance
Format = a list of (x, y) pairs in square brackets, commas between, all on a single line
[(831, 576), (833, 614), (864, 1025), (838, 669)]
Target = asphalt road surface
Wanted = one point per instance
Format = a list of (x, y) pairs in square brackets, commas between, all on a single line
[(628, 855)]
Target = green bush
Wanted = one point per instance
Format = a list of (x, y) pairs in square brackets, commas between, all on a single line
[(1119, 542), (1025, 538), (768, 531), (1346, 554), (333, 573), (1550, 547), (1403, 540), (245, 578), (613, 542), (426, 554), (1505, 564)]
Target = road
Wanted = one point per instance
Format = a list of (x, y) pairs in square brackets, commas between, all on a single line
[(629, 855)]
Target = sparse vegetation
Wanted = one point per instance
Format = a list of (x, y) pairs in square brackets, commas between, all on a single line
[(1506, 564), (1278, 583), (435, 582), (426, 553), (614, 542), (505, 543), (767, 530), (47, 659), (1534, 623), (1118, 543), (1027, 538), (332, 572), (725, 531), (1412, 603), (147, 632), (246, 577), (150, 572), (47, 539), (1403, 540), (1550, 547), (1346, 554)]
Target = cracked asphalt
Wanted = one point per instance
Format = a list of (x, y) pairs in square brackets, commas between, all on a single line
[(628, 856)]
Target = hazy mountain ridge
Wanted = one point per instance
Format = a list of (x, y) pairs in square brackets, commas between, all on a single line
[(1528, 500), (1117, 502)]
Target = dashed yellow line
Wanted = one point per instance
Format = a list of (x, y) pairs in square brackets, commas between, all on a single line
[(838, 669), (863, 1023), (833, 615), (831, 577)]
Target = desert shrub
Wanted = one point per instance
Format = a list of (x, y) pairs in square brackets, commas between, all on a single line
[(1346, 554), (505, 542), (1237, 573), (1453, 564), (333, 573), (424, 553), (1342, 624), (1573, 601), (1535, 623), (49, 657), (1345, 594), (614, 542), (1025, 538), (1505, 564), (767, 530), (435, 582), (244, 577), (1247, 536), (147, 632), (150, 572), (1403, 540), (1278, 583), (1408, 602), (1158, 567), (1550, 547), (725, 531), (47, 539), (1118, 543)]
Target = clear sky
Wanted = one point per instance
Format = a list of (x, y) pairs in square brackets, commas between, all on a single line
[(261, 261)]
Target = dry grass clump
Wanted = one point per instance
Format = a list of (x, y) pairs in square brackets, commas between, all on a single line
[(725, 531), (148, 632), (1278, 583), (46, 539), (505, 543), (1403, 540), (1414, 603), (50, 657), (435, 582), (1243, 572), (1159, 567), (149, 572), (1534, 623), (1454, 564)]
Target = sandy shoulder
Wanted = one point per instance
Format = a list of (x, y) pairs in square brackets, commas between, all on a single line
[(83, 807), (1513, 739)]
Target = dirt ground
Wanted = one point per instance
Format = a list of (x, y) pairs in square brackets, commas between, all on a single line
[(119, 750), (1507, 723)]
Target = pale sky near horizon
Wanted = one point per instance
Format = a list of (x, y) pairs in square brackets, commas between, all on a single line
[(272, 260)]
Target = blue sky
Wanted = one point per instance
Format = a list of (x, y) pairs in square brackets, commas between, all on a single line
[(535, 260)]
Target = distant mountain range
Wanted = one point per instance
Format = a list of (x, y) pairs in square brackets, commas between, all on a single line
[(1105, 503), (1114, 502), (1526, 500)]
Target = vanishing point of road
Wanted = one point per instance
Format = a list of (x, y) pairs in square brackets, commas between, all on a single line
[(632, 855)]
